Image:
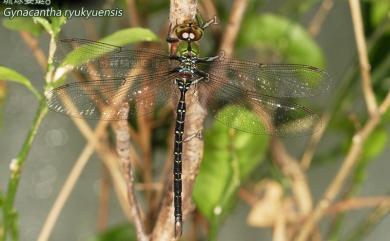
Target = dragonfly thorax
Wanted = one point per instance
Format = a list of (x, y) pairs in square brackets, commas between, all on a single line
[(187, 65)]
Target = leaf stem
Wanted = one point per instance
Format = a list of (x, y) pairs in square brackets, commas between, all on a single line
[(16, 165), (365, 67)]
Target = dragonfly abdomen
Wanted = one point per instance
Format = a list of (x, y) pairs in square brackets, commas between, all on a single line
[(183, 86)]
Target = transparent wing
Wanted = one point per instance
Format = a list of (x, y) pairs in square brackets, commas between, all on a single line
[(99, 99), (105, 60), (256, 113), (278, 80)]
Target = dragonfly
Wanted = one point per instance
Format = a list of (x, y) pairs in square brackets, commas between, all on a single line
[(147, 80)]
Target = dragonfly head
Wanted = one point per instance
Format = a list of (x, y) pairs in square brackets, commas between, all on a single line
[(189, 30)]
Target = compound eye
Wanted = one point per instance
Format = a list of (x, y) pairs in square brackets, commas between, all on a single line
[(192, 36), (185, 35)]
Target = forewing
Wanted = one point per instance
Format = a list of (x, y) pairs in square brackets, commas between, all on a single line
[(104, 60), (278, 80), (100, 99), (256, 113)]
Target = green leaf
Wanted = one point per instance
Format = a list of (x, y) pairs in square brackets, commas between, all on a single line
[(386, 116), (373, 147), (379, 11), (56, 24), (44, 23), (281, 36), (119, 38), (11, 75), (3, 94), (53, 27), (129, 36), (120, 233), (229, 157), (1, 199), (23, 24), (375, 143)]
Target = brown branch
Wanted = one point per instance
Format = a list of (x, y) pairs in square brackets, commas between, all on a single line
[(319, 17), (385, 104), (358, 203), (133, 14), (292, 170), (33, 44), (280, 228), (148, 186), (104, 199), (349, 162), (315, 139), (110, 160), (145, 136), (233, 27), (208, 8), (123, 149), (363, 57)]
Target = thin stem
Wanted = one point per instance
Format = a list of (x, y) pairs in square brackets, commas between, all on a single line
[(16, 167), (110, 160), (348, 163), (233, 27), (104, 199), (363, 56), (292, 170), (315, 139), (145, 132), (208, 8), (34, 46), (319, 17), (133, 13), (279, 232), (122, 131), (358, 203)]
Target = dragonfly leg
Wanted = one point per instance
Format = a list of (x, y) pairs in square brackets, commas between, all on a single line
[(197, 134), (208, 59), (204, 76), (195, 81), (208, 23), (175, 57)]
